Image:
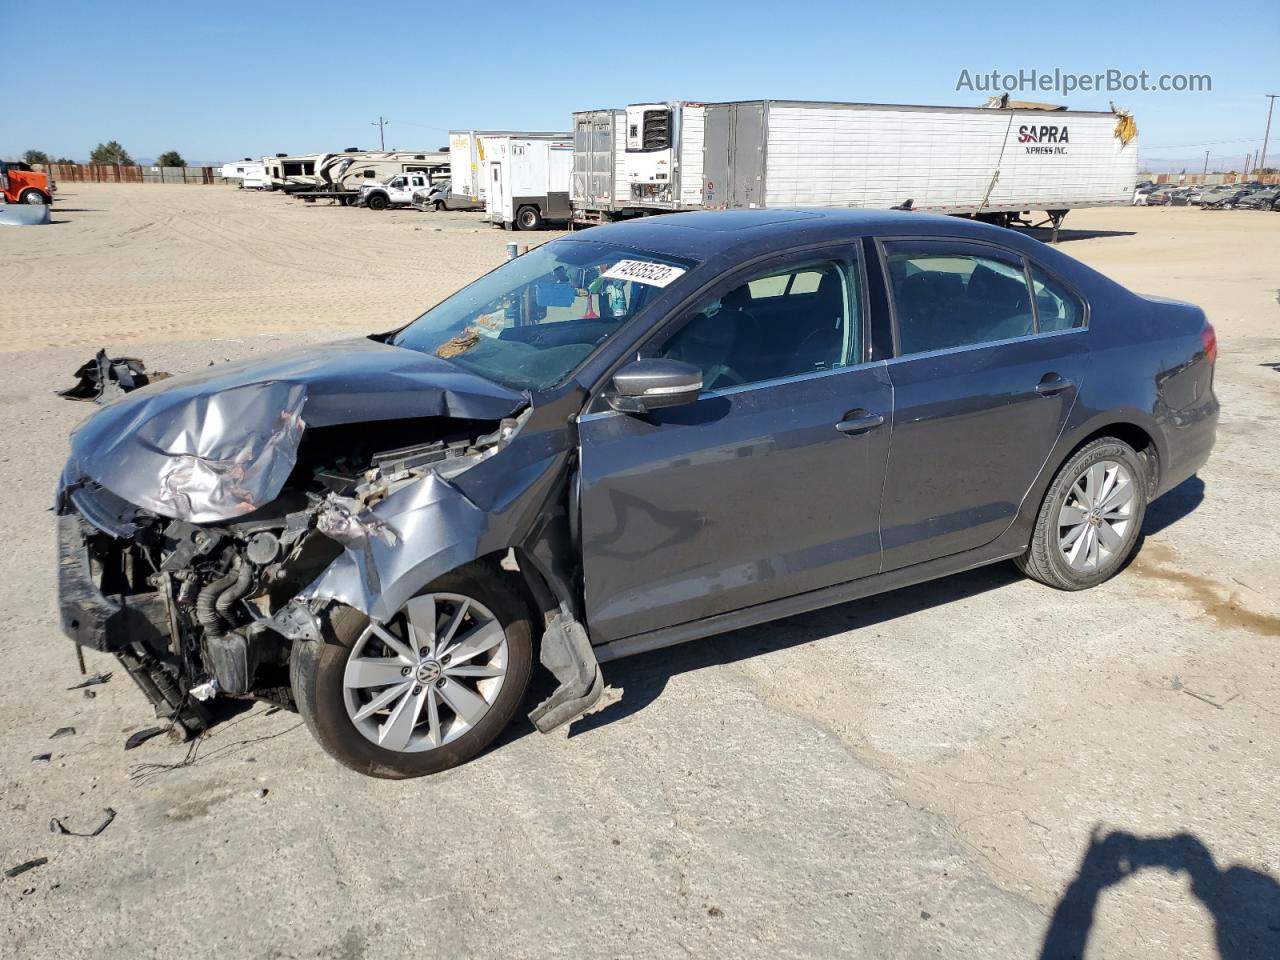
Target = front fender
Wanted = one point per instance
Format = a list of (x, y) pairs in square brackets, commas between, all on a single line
[(433, 526)]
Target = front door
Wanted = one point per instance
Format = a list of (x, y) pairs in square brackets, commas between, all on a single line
[(768, 485), (984, 378)]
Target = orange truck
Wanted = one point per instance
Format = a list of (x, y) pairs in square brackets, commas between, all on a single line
[(20, 184)]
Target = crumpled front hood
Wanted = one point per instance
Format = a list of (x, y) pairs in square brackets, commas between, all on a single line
[(220, 443)]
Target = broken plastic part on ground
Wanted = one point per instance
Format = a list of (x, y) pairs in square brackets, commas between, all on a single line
[(102, 378)]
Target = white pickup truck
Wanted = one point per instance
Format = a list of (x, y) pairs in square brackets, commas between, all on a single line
[(395, 191)]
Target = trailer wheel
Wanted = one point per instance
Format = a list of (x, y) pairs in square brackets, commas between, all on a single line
[(528, 218), (378, 202)]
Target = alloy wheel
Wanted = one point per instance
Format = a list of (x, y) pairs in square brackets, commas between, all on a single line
[(1095, 518), (428, 676)]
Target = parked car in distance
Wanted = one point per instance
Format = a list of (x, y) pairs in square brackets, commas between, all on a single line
[(625, 439), (396, 191), (1160, 196), (1268, 198)]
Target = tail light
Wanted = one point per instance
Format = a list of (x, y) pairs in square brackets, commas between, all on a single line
[(1210, 339)]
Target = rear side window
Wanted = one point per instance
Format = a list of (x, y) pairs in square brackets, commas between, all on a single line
[(1057, 308), (954, 298)]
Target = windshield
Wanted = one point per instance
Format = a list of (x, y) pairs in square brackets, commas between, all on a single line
[(534, 319)]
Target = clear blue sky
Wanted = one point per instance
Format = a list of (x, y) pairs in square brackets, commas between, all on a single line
[(222, 81)]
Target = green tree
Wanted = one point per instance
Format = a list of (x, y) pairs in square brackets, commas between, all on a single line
[(171, 158), (111, 152), (35, 156), (65, 160)]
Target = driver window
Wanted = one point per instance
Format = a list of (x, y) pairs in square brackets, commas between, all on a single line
[(804, 319)]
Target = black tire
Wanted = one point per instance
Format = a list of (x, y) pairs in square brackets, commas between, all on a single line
[(528, 218), (32, 196), (317, 668), (378, 202), (1044, 561)]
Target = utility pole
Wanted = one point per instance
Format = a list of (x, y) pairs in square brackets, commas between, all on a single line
[(1247, 157), (382, 136), (1206, 163), (1262, 158)]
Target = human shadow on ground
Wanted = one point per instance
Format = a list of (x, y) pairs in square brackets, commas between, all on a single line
[(1244, 903)]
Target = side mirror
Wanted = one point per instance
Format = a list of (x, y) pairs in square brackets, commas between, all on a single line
[(645, 385)]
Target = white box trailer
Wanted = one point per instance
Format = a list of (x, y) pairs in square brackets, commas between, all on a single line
[(467, 158), (996, 163), (527, 184)]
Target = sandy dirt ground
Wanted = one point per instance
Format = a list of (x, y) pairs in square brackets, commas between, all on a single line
[(977, 767)]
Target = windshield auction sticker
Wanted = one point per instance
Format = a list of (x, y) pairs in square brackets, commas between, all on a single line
[(644, 271)]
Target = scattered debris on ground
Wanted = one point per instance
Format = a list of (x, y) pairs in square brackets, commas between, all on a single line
[(42, 758), (142, 736), (94, 680), (57, 826), (104, 378), (22, 868), (63, 732)]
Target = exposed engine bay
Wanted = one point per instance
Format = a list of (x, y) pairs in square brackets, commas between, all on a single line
[(211, 593)]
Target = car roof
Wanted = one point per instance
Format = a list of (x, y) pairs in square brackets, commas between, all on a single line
[(703, 235)]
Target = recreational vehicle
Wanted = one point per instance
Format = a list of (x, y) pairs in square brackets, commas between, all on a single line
[(527, 183), (467, 158), (993, 162), (290, 173), (352, 169), (250, 173)]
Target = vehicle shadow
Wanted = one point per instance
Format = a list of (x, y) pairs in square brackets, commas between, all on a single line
[(1064, 236), (644, 677), (1274, 366), (1183, 499), (1244, 903)]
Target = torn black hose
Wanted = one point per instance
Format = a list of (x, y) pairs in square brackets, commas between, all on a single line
[(235, 591), (206, 602)]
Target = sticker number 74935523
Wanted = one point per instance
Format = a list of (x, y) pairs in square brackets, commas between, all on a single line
[(644, 271)]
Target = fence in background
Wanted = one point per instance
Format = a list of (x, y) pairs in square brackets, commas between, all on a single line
[(111, 173)]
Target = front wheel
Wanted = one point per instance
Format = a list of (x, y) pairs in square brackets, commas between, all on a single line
[(427, 691), (32, 196), (378, 202), (528, 218), (1091, 517)]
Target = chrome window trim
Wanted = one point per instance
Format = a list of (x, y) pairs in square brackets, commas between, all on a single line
[(985, 345)]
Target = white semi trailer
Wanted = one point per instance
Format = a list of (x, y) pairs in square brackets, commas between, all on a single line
[(467, 158), (990, 162), (527, 184)]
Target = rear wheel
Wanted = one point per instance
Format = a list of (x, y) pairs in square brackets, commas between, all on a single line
[(528, 218), (1091, 517), (427, 691)]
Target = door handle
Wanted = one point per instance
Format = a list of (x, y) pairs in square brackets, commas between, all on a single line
[(1053, 384), (859, 421)]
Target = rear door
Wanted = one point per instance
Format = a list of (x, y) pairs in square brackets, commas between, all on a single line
[(985, 375), (769, 484)]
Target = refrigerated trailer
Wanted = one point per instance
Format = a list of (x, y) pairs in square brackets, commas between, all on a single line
[(527, 182), (467, 158), (989, 162)]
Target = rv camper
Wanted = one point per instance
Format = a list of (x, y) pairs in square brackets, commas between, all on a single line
[(352, 169), (249, 172), (290, 173), (527, 184), (467, 159), (992, 162)]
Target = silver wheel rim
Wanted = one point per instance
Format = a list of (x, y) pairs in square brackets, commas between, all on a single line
[(1095, 517), (427, 677), (33, 197)]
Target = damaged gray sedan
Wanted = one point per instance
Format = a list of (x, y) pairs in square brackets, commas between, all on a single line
[(622, 440)]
